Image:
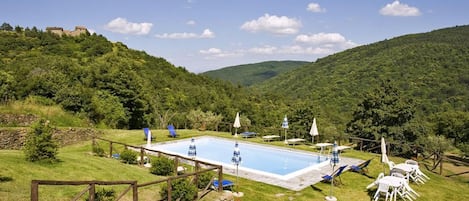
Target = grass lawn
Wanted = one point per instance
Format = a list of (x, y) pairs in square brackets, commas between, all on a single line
[(77, 163)]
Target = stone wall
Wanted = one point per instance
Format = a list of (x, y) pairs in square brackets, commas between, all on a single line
[(14, 138), (17, 120)]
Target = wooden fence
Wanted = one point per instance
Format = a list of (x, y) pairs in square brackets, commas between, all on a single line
[(91, 188)]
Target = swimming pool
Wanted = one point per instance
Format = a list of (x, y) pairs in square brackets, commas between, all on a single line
[(281, 163)]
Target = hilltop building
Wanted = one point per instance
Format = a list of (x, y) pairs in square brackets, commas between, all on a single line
[(60, 31)]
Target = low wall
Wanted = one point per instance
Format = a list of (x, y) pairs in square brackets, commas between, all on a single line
[(14, 138)]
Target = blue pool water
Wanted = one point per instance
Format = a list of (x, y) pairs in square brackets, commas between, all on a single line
[(277, 161)]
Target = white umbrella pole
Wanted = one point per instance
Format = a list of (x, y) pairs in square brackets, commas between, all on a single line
[(332, 181)]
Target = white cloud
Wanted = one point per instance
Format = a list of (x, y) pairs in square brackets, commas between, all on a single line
[(205, 34), (211, 51), (398, 9), (121, 25), (273, 24), (190, 22), (320, 38), (315, 8), (263, 50), (214, 53)]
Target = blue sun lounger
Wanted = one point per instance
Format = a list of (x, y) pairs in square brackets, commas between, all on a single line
[(146, 131), (224, 184), (334, 175), (361, 168), (172, 131)]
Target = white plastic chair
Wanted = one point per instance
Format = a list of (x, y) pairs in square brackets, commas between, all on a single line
[(376, 182), (418, 173), (383, 189)]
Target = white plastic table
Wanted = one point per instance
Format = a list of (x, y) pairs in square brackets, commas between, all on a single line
[(393, 182), (322, 146)]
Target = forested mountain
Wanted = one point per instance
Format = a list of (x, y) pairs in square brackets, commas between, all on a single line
[(249, 74), (115, 86), (431, 68)]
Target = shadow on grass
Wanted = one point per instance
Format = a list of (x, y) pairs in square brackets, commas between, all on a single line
[(370, 193), (316, 188)]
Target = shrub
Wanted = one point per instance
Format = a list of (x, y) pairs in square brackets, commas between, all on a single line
[(5, 178), (39, 145), (162, 166), (104, 195), (181, 189), (204, 179), (129, 156), (97, 150)]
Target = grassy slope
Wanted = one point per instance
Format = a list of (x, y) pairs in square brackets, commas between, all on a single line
[(78, 164)]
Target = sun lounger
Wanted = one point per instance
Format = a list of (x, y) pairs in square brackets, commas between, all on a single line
[(248, 134), (225, 184), (147, 131), (172, 130), (295, 141), (361, 168), (336, 174), (342, 148), (269, 138)]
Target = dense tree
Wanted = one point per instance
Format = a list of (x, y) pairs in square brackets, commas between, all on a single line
[(6, 27), (7, 82), (382, 113)]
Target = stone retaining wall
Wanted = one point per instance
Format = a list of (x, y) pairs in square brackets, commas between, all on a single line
[(14, 138)]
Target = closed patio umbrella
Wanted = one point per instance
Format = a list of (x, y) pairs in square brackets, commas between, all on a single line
[(314, 130), (236, 124), (334, 161), (285, 126), (236, 160), (384, 157), (192, 149)]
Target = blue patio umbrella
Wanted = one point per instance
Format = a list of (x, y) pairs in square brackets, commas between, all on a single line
[(236, 159), (192, 150), (285, 126), (334, 161)]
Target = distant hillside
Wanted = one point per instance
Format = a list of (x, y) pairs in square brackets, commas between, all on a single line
[(114, 86), (249, 74), (431, 68)]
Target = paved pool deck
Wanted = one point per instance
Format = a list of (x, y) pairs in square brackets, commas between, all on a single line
[(297, 182)]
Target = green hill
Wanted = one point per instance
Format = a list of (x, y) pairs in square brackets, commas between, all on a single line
[(112, 85), (249, 74), (430, 68)]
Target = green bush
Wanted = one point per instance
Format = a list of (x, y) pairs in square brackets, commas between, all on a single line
[(181, 189), (39, 145), (5, 178), (129, 156), (204, 179), (104, 195), (99, 151), (162, 166)]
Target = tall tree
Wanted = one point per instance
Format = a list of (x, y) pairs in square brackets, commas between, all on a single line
[(382, 113)]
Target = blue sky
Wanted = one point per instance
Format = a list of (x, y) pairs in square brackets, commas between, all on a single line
[(203, 35)]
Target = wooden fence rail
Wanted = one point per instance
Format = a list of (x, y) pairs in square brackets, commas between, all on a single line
[(91, 188)]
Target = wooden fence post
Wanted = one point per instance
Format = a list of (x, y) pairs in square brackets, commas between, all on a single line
[(110, 149), (92, 191), (135, 191), (220, 179), (141, 156), (34, 190), (169, 189)]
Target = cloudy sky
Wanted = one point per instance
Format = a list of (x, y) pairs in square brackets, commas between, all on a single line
[(203, 35)]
